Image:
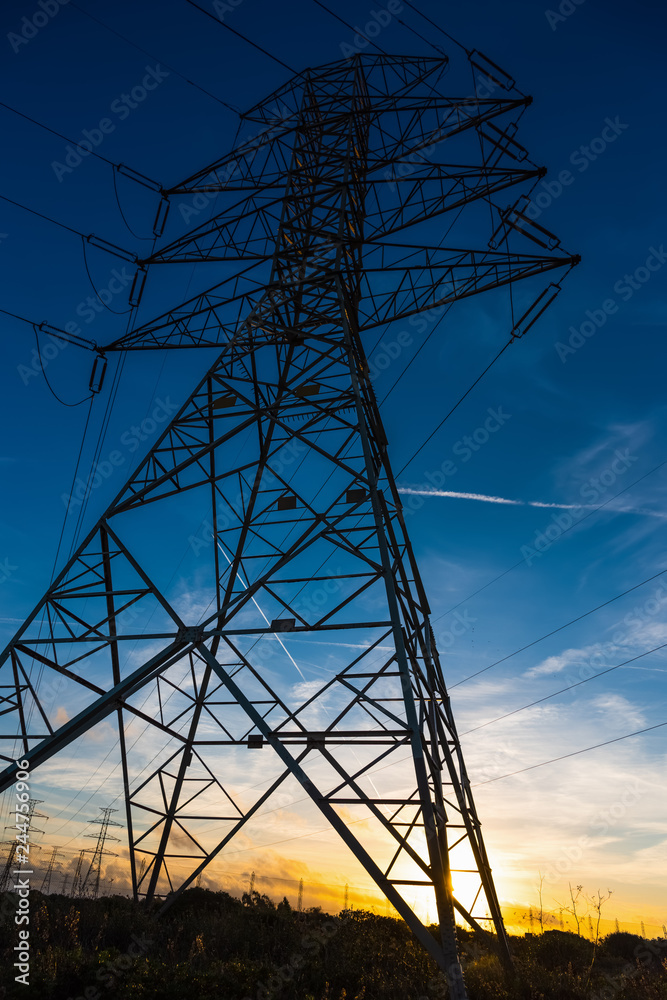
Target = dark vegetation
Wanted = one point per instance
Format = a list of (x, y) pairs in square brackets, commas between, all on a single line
[(212, 946)]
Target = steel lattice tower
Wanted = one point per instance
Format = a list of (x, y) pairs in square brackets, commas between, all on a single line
[(46, 881), (7, 878), (317, 238), (76, 881), (90, 884)]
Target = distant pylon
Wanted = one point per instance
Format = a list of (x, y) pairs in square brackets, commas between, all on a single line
[(63, 888), (251, 884), (7, 879), (299, 904), (46, 881), (76, 882), (90, 885), (27, 818), (347, 890), (12, 862), (142, 870)]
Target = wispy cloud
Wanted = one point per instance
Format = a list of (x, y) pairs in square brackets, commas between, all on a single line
[(528, 503)]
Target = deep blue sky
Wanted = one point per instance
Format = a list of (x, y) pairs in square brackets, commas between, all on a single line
[(567, 419)]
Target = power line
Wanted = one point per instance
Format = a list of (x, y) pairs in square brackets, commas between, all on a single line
[(23, 319), (437, 324), (454, 407), (116, 167), (230, 107), (46, 378), (244, 37), (554, 694), (436, 48), (40, 215), (574, 753), (53, 131), (559, 629), (437, 27), (348, 25)]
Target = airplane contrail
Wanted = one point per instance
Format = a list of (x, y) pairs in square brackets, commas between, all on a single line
[(525, 503)]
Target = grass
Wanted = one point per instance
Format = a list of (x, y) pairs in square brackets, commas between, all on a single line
[(212, 946)]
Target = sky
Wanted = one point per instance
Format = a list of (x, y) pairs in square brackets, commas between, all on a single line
[(504, 521)]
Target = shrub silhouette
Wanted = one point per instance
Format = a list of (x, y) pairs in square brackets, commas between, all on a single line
[(558, 949), (213, 946)]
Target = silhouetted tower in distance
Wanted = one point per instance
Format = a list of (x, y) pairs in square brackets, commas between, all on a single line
[(45, 887), (90, 886), (7, 878), (76, 881)]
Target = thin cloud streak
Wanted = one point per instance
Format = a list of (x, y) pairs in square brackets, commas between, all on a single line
[(527, 503)]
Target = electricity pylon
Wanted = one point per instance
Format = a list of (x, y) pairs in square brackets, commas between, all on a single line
[(7, 878), (90, 884), (76, 881), (275, 475), (46, 881)]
